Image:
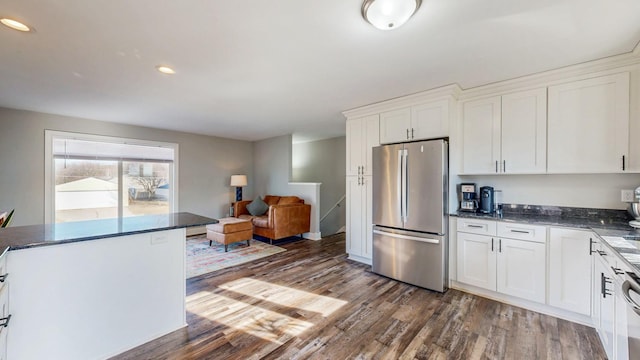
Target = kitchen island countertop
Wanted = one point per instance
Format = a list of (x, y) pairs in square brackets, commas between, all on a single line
[(24, 237)]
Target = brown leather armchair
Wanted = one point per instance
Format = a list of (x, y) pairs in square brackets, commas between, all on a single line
[(287, 216)]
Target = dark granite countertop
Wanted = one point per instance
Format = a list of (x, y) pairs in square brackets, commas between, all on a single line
[(612, 226), (23, 237), (624, 242), (583, 218)]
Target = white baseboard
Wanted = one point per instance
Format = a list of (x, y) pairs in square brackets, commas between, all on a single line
[(312, 235), (360, 259)]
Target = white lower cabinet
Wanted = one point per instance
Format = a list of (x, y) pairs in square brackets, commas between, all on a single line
[(521, 269), (609, 306), (570, 269), (621, 344), (5, 315), (604, 301), (477, 260), (510, 266)]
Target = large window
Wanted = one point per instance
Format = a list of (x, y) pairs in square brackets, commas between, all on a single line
[(96, 177)]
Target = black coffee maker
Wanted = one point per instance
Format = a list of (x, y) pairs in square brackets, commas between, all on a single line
[(486, 200)]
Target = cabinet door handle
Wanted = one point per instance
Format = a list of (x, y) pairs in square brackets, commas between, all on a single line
[(412, 137), (623, 163), (4, 322), (496, 166), (591, 242), (520, 231), (601, 253), (3, 277), (499, 245), (504, 165), (407, 133), (491, 244)]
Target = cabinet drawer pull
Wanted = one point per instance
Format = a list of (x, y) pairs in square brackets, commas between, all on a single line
[(604, 280), (617, 271), (5, 321), (475, 226), (3, 277), (521, 231)]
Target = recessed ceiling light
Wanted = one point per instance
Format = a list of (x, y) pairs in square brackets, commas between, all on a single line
[(15, 25), (165, 70)]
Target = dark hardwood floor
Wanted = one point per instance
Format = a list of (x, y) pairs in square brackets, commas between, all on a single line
[(311, 302)]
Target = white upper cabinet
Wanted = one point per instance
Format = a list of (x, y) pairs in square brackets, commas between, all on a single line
[(430, 121), (362, 135), (481, 136), (524, 132), (395, 126), (589, 125), (419, 122), (505, 134)]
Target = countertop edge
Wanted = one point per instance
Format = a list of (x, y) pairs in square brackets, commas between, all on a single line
[(98, 237)]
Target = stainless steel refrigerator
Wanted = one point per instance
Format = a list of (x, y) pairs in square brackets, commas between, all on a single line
[(410, 217)]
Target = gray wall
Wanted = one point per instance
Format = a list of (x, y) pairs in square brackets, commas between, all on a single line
[(588, 190), (324, 161), (271, 166), (206, 163)]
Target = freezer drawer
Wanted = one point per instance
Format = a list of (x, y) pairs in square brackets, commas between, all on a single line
[(415, 258)]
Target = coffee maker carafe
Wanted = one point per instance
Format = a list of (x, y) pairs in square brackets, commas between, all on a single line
[(468, 201), (486, 200)]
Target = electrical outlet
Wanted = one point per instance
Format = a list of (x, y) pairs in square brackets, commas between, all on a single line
[(627, 196)]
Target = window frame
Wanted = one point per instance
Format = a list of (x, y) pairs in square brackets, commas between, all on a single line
[(49, 167)]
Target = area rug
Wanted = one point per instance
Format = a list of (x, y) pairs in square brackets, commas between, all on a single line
[(202, 258)]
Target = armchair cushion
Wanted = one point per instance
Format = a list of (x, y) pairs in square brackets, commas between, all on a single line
[(257, 207)]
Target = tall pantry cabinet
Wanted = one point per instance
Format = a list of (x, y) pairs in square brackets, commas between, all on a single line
[(362, 135)]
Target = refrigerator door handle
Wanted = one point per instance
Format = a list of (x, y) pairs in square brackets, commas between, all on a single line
[(407, 237), (405, 177), (400, 188)]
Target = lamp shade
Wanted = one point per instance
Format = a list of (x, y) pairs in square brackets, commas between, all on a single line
[(238, 180), (389, 14)]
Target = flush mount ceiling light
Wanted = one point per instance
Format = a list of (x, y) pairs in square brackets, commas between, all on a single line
[(15, 25), (389, 14), (165, 70)]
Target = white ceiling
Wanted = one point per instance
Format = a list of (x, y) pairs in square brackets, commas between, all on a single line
[(251, 70)]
